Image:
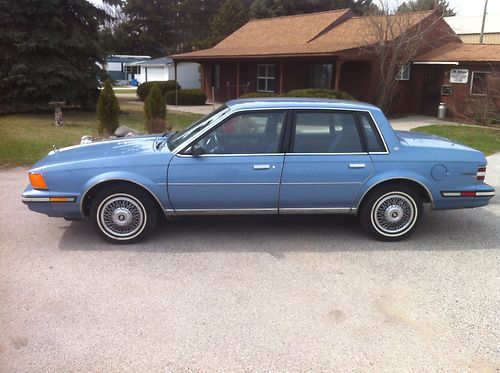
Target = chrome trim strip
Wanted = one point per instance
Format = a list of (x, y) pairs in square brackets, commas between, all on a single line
[(217, 184), (35, 199), (47, 199), (84, 194), (315, 210), (325, 183), (255, 211), (231, 112), (302, 154), (485, 194), (397, 178), (450, 194), (228, 155)]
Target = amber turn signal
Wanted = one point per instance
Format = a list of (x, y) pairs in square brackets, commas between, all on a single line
[(37, 181), (61, 199)]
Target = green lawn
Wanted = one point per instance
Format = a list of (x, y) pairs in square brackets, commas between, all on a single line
[(25, 138), (125, 90), (485, 139)]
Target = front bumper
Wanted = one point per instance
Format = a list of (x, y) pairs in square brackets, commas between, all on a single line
[(53, 204)]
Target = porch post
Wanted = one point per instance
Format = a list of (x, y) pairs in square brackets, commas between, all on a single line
[(338, 67), (238, 79), (175, 74), (281, 77)]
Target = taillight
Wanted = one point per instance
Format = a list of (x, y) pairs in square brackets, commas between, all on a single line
[(481, 173)]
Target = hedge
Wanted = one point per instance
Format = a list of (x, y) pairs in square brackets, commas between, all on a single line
[(319, 92), (259, 94), (165, 86), (188, 97)]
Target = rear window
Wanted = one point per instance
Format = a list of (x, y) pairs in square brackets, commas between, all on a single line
[(373, 141)]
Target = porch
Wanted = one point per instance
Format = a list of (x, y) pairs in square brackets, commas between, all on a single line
[(225, 80)]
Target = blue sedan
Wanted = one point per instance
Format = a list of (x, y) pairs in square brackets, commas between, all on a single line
[(264, 156)]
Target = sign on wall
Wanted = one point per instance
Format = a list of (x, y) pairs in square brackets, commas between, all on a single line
[(459, 76)]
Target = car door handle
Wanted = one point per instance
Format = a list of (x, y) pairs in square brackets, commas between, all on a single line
[(357, 165), (261, 166)]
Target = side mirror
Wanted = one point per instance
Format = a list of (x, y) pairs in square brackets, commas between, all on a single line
[(196, 149)]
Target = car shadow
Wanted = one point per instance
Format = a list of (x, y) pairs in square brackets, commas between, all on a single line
[(439, 230)]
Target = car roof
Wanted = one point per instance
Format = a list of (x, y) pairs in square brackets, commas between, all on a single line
[(291, 103)]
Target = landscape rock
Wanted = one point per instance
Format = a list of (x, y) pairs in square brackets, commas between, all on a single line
[(124, 131)]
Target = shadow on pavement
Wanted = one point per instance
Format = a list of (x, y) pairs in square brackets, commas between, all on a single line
[(439, 230)]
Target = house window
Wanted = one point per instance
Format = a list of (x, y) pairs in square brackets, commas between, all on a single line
[(132, 69), (266, 78), (321, 75), (479, 83), (403, 72)]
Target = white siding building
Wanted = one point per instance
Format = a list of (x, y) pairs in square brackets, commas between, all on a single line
[(159, 69)]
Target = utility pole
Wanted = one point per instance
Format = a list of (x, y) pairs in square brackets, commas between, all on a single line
[(484, 20)]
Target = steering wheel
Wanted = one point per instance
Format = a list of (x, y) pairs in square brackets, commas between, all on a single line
[(211, 144)]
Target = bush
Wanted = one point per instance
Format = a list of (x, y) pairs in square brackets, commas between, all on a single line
[(320, 93), (108, 110), (165, 86), (259, 95), (188, 97), (155, 110)]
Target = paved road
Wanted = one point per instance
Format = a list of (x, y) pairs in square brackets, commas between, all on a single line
[(253, 294)]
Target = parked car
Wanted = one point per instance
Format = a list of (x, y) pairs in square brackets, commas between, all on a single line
[(262, 156)]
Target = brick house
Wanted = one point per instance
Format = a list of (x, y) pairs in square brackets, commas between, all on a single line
[(318, 50)]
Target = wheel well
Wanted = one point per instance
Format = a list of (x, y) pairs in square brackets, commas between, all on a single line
[(89, 195), (422, 191)]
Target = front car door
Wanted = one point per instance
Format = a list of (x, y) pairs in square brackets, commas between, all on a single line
[(327, 161), (234, 168)]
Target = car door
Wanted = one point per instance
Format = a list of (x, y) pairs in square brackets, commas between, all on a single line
[(234, 168), (326, 163)]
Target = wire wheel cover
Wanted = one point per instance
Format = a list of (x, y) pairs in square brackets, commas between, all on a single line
[(121, 216), (394, 213)]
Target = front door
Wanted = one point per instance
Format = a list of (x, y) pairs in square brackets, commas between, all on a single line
[(234, 168), (432, 91), (327, 163)]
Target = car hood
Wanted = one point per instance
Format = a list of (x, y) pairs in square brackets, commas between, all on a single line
[(129, 146)]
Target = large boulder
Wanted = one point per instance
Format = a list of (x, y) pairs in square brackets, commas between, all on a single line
[(124, 131)]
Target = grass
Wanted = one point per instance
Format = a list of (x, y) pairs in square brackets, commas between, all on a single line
[(484, 139), (25, 138), (124, 90)]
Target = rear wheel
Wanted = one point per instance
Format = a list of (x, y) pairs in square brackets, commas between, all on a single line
[(123, 213), (391, 213)]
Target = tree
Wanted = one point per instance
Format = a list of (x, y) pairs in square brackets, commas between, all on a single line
[(394, 41), (443, 6), (231, 16), (49, 50), (155, 110), (277, 8), (108, 110)]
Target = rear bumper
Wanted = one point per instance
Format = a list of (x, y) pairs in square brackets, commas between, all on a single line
[(40, 201), (478, 196)]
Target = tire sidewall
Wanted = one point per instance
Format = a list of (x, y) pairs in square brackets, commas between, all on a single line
[(145, 202), (367, 211)]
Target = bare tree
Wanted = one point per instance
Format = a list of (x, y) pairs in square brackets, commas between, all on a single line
[(395, 40)]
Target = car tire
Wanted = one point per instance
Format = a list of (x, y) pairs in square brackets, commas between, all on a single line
[(123, 213), (391, 212)]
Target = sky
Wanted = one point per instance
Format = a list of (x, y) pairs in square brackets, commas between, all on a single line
[(461, 7)]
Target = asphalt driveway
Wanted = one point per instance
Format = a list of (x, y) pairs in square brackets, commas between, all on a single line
[(249, 294)]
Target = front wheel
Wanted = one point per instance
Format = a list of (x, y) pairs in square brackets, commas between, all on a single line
[(391, 213), (123, 213)]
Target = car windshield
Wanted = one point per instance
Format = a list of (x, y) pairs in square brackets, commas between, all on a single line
[(181, 136)]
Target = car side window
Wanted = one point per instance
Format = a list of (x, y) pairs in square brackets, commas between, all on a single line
[(326, 132), (246, 133), (373, 141)]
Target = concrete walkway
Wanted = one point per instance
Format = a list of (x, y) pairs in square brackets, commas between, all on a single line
[(414, 121)]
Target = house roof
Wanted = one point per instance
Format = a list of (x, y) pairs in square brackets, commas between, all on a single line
[(466, 25), (459, 52), (125, 58), (155, 62), (314, 33)]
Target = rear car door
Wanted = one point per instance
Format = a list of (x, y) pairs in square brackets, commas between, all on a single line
[(326, 163)]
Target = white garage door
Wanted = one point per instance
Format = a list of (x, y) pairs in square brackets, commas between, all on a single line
[(155, 73)]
